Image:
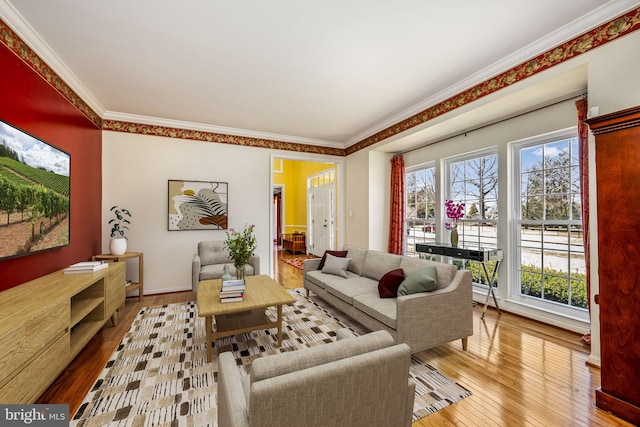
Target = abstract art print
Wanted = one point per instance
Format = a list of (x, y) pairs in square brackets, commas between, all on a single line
[(198, 205)]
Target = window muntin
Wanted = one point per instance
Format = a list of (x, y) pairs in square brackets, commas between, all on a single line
[(550, 248), (474, 181), (420, 207)]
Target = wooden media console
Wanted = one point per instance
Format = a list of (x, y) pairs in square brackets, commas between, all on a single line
[(46, 322)]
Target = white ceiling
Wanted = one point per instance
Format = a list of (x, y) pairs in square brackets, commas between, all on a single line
[(321, 72)]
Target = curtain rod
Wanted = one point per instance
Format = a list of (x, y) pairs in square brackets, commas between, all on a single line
[(574, 95)]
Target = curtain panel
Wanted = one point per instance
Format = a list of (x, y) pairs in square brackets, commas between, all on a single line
[(583, 152), (396, 217)]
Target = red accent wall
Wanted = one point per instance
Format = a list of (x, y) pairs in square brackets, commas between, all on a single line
[(31, 104)]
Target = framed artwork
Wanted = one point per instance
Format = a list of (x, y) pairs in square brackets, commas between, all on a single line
[(198, 205)]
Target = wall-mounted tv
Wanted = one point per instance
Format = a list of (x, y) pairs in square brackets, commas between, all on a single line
[(34, 194)]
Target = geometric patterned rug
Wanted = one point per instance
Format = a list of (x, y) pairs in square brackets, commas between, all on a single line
[(159, 376)]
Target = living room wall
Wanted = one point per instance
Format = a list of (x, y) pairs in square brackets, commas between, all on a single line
[(136, 169), (612, 85), (31, 104)]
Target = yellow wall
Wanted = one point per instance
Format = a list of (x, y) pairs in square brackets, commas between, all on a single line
[(293, 175)]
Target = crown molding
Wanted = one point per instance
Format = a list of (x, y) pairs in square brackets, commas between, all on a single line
[(16, 22), (597, 17), (179, 124)]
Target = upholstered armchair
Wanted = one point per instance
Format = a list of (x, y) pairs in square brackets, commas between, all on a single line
[(354, 381), (210, 260)]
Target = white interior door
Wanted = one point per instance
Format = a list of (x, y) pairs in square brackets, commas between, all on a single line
[(321, 218)]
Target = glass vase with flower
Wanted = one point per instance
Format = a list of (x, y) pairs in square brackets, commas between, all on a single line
[(455, 212), (241, 246)]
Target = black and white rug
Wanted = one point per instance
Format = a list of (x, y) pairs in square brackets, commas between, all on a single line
[(159, 375)]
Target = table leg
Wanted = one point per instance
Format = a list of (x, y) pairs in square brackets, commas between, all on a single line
[(491, 280), (279, 325), (209, 328)]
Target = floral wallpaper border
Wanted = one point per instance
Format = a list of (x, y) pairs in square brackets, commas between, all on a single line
[(592, 39), (118, 126)]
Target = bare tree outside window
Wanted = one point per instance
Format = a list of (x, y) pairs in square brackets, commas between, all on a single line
[(420, 186)]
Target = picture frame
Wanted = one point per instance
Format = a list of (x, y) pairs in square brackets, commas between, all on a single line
[(197, 205)]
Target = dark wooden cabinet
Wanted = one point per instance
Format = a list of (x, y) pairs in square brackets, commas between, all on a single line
[(618, 190)]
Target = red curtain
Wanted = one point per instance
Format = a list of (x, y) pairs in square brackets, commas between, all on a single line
[(396, 217), (583, 152)]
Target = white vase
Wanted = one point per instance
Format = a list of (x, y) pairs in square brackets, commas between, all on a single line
[(117, 246)]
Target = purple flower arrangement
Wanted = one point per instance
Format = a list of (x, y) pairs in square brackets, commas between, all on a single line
[(455, 211)]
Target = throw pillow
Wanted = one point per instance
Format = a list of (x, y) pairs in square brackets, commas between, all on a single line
[(423, 280), (336, 265), (389, 283), (341, 254)]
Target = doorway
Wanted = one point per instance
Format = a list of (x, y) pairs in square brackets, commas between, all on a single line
[(292, 212)]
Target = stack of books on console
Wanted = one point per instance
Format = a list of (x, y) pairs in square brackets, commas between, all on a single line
[(232, 291), (86, 267)]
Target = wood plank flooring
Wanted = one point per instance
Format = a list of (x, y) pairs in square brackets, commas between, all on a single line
[(521, 372)]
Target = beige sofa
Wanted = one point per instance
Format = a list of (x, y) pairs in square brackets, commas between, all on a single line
[(354, 381), (421, 320), (210, 260)]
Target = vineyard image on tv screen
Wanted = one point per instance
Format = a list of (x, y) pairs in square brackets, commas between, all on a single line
[(34, 194)]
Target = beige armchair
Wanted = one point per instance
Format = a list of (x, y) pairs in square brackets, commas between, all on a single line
[(354, 381), (210, 260)]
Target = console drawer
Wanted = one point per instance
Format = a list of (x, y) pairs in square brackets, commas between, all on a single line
[(34, 378)]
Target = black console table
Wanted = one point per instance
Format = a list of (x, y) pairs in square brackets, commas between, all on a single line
[(482, 255)]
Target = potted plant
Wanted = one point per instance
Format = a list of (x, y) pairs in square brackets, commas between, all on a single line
[(241, 246), (118, 242)]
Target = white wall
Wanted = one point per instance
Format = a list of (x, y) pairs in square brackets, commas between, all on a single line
[(379, 195), (136, 169), (357, 199)]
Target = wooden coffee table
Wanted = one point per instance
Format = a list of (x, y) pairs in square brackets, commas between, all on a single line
[(245, 316)]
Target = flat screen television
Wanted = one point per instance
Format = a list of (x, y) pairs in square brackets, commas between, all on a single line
[(34, 194)]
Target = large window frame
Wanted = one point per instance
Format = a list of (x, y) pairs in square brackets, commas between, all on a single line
[(547, 224), (472, 178), (420, 215)]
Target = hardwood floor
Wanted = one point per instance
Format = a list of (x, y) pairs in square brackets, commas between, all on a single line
[(521, 372)]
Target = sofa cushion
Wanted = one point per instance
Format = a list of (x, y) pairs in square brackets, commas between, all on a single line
[(389, 283), (423, 280), (340, 254), (377, 264), (213, 252), (336, 265), (381, 309), (357, 256), (322, 280), (445, 272), (346, 289)]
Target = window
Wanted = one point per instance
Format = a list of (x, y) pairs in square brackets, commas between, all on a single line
[(549, 225), (420, 209), (474, 181)]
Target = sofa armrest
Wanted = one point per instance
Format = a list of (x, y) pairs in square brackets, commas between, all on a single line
[(195, 272), (344, 333), (408, 414), (311, 264), (429, 319), (232, 403), (254, 262)]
